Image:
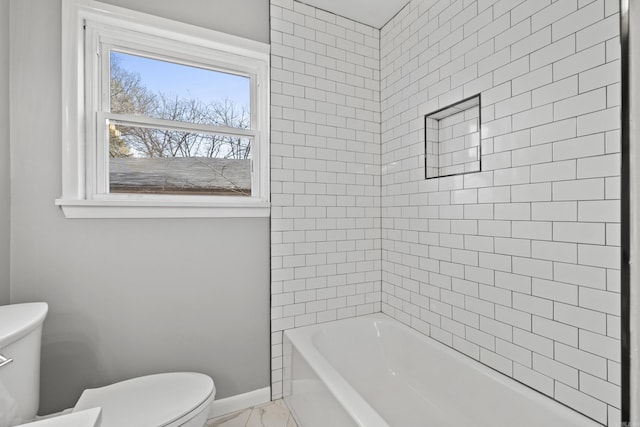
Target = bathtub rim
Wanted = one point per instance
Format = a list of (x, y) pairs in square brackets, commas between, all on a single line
[(341, 389), (338, 386)]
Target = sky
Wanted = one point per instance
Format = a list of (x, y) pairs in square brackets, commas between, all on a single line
[(186, 81)]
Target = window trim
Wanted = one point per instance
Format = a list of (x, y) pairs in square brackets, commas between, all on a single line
[(79, 198)]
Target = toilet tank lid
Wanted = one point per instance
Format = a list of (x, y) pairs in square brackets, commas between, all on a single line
[(17, 320)]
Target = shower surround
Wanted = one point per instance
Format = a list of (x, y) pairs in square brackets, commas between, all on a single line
[(516, 266)]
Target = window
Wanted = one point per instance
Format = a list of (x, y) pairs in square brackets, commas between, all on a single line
[(452, 139), (161, 119)]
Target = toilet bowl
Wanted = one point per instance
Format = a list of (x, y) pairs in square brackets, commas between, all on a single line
[(160, 400)]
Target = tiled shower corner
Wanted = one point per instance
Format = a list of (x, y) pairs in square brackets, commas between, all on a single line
[(516, 266)]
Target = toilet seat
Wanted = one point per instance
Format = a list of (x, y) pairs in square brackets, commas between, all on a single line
[(162, 400)]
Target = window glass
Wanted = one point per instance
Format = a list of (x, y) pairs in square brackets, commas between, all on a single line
[(167, 90), (144, 158)]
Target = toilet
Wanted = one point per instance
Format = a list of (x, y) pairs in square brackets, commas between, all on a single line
[(161, 400)]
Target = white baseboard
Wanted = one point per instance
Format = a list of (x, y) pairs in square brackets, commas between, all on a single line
[(239, 401)]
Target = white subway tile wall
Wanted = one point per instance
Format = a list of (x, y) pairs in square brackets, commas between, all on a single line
[(516, 266), (325, 170), (519, 264)]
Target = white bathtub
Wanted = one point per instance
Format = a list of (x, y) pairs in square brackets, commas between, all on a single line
[(373, 371)]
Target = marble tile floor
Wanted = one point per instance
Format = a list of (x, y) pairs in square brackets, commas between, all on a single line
[(272, 414)]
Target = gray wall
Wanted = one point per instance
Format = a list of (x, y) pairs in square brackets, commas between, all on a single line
[(4, 152), (126, 297), (244, 18)]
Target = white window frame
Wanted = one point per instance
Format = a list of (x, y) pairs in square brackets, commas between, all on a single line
[(84, 162)]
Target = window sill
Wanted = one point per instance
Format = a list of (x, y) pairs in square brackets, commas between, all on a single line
[(154, 209)]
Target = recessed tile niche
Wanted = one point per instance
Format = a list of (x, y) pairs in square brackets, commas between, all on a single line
[(452, 139)]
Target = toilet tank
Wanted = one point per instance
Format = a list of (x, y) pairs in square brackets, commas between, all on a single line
[(20, 334)]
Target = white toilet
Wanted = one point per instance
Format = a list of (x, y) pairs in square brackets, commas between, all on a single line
[(162, 400)]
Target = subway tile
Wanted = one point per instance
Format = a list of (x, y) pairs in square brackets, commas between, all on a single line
[(599, 256), (497, 362), (614, 372), (496, 161), (554, 171), (537, 78), (559, 371), (480, 338), (554, 251), (515, 318), (612, 188), (509, 72), (513, 105), (477, 180), (513, 282), (554, 211), (539, 230), (497, 26), (588, 405), (552, 13), (533, 267), (587, 232), (481, 307), (536, 343), (556, 51), (600, 121), (555, 131), (598, 77), (528, 8), (512, 211), (513, 352), (539, 192), (579, 62), (556, 92), (534, 117), (519, 175), (613, 235), (584, 146), (531, 304), (599, 300), (466, 317), (599, 32), (581, 360), (577, 20), (600, 389), (478, 211), (495, 328), (507, 246), (512, 141), (532, 43), (531, 155), (494, 228), (470, 349), (480, 275), (515, 33), (584, 189), (599, 211), (556, 331), (600, 345), (582, 275), (496, 194), (496, 262), (599, 166), (580, 317), (578, 105)]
